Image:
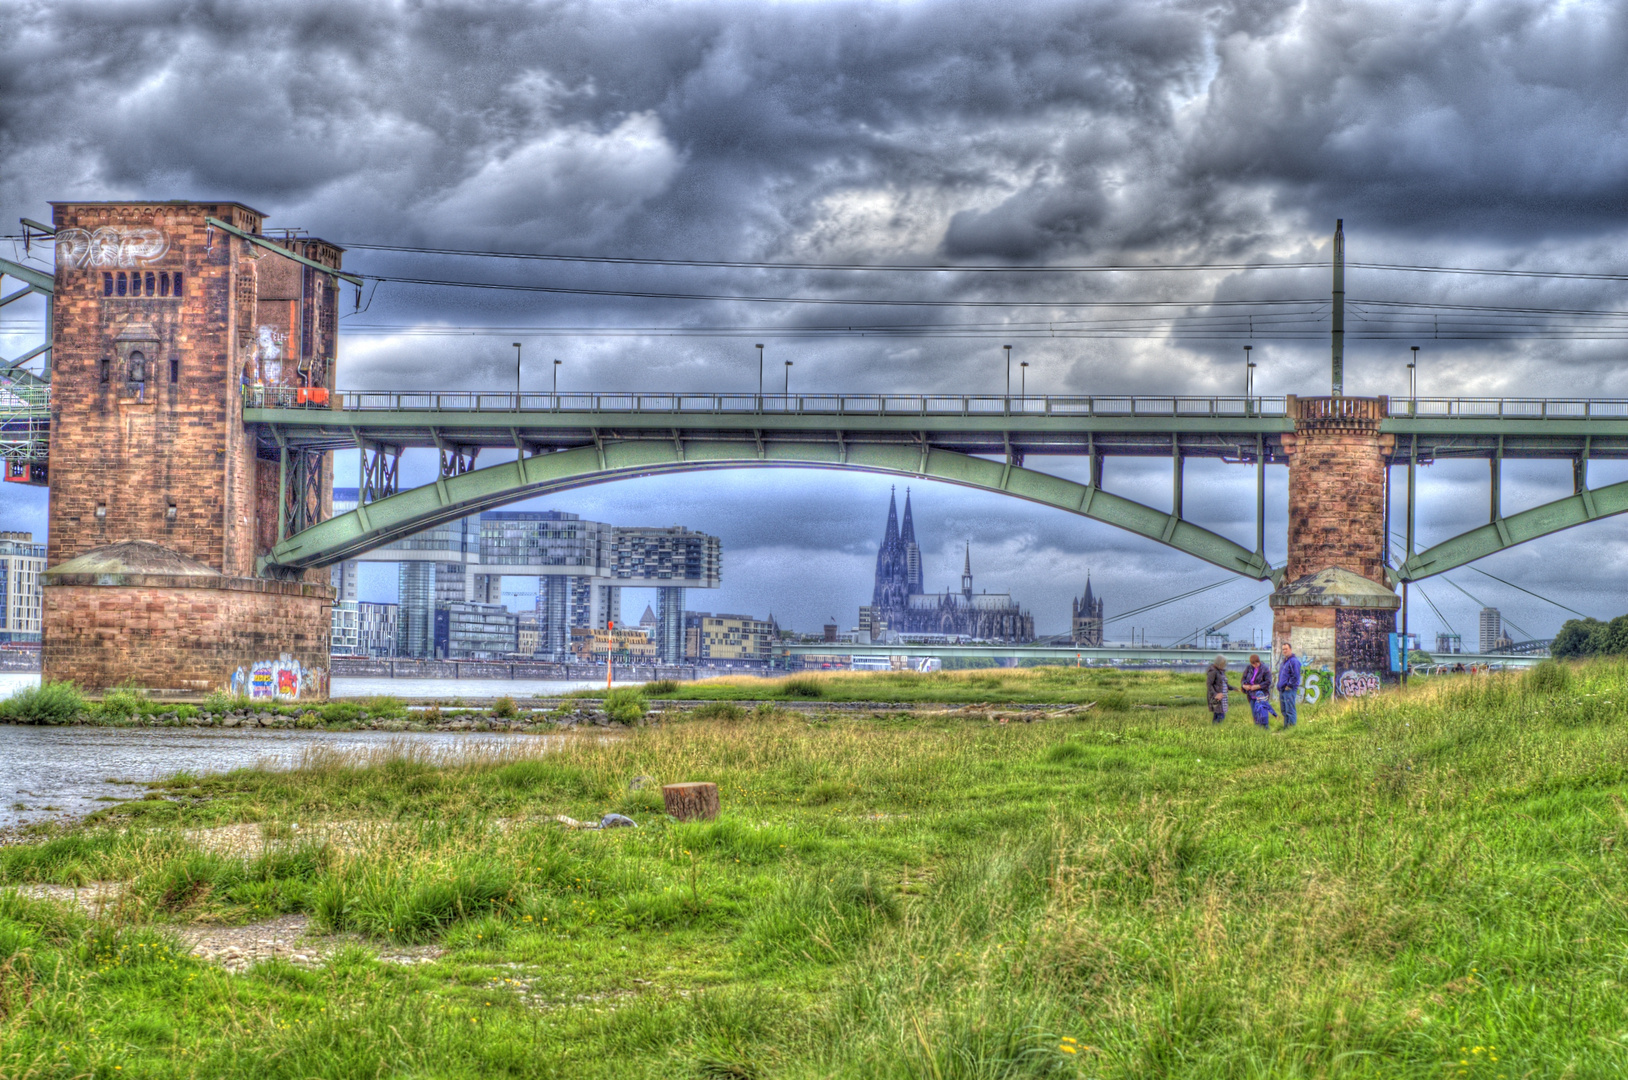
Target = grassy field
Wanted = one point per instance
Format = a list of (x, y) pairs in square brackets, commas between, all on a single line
[(1431, 885), (1034, 685)]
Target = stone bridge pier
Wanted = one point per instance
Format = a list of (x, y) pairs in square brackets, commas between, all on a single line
[(165, 314), (1335, 604)]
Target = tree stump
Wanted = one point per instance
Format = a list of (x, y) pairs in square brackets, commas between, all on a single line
[(691, 802)]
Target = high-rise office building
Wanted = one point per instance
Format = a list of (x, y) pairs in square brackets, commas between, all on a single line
[(1492, 629)]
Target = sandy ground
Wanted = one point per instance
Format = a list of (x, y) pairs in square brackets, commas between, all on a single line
[(236, 948)]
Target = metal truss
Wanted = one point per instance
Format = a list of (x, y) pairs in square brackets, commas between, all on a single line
[(25, 398), (381, 471)]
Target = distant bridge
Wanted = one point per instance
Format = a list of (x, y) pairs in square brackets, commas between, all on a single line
[(1118, 654)]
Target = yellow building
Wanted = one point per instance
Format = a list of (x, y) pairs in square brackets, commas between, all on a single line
[(590, 643), (727, 637)]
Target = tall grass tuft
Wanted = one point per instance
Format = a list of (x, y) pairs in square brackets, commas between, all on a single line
[(661, 686), (625, 705), (48, 703), (802, 686), (504, 707)]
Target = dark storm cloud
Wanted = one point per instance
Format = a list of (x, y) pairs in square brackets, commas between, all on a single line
[(1465, 133)]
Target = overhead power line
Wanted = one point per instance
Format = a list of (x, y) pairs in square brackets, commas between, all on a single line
[(982, 268), (734, 264), (869, 302), (1171, 599)]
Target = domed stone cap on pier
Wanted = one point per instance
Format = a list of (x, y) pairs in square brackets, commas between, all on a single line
[(129, 562), (1335, 587)]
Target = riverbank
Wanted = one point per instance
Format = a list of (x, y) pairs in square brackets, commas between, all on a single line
[(1419, 884)]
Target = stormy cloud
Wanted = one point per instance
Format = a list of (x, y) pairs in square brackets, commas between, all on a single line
[(1486, 134)]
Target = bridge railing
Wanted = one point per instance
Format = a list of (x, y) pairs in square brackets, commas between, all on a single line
[(1512, 408), (812, 404)]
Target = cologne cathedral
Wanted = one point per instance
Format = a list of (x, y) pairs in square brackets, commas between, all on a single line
[(901, 604)]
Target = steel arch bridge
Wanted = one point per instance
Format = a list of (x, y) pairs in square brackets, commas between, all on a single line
[(567, 441)]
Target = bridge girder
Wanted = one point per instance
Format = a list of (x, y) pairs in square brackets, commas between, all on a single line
[(451, 497), (1505, 532)]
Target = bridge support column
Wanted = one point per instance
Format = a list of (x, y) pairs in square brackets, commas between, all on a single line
[(165, 317), (1334, 604)]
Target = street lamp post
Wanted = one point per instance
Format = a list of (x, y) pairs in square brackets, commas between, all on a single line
[(557, 364), (759, 376), (516, 374), (1413, 378), (1023, 379), (1249, 381), (788, 379), (1008, 349)]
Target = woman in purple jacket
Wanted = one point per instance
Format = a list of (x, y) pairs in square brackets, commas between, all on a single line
[(1256, 684)]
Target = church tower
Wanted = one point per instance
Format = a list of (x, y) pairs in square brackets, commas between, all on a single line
[(912, 552), (889, 598), (1087, 625), (966, 573)]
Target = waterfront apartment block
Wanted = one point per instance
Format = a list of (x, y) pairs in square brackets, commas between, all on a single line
[(728, 637), (21, 563), (376, 628), (580, 568)]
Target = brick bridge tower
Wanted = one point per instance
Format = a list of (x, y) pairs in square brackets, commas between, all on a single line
[(1334, 603), (166, 315)]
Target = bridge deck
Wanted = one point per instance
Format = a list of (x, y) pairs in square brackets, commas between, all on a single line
[(1217, 426)]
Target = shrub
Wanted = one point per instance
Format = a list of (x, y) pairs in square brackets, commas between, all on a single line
[(720, 710), (221, 702), (662, 686), (48, 703), (340, 712), (123, 703), (430, 714), (504, 707), (186, 712), (803, 686), (384, 707), (625, 705)]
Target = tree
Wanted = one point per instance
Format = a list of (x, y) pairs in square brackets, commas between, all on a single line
[(1576, 639)]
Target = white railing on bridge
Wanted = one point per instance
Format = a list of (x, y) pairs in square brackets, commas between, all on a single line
[(806, 404)]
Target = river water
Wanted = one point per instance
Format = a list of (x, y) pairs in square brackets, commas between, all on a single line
[(64, 772)]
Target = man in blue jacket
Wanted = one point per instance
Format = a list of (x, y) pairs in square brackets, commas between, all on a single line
[(1288, 683)]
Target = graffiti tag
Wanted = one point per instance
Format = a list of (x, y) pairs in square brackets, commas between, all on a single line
[(284, 679), (1315, 687), (111, 245), (1358, 683)]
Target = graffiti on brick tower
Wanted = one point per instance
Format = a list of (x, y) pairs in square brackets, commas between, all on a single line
[(110, 245), (1358, 683), (268, 355), (284, 679)]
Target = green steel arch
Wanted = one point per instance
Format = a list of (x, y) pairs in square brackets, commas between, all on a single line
[(1589, 504), (397, 516)]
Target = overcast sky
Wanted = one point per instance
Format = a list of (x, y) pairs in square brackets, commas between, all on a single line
[(1446, 134)]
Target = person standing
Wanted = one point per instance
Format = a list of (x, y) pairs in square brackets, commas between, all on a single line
[(1256, 683), (1288, 684), (1215, 689)]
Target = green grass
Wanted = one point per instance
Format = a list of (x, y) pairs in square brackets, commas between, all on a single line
[(1419, 885), (1031, 685)]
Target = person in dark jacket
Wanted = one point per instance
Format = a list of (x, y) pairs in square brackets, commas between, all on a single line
[(1288, 684), (1256, 683), (1216, 687)]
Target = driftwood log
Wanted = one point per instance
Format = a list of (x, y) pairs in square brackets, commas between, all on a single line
[(691, 802)]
